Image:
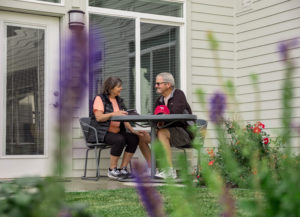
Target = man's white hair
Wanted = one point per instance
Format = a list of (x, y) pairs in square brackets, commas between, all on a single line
[(167, 77)]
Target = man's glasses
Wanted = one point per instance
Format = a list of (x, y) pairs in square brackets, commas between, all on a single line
[(159, 83)]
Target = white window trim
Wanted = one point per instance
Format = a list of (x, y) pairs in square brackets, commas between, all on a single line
[(4, 85), (62, 3), (132, 14), (24, 157), (153, 19), (149, 50), (182, 53), (138, 64)]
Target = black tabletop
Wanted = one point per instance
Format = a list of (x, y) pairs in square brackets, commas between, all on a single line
[(155, 118)]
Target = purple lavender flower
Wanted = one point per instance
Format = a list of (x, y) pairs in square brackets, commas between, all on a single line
[(228, 204), (72, 85), (284, 47), (296, 127), (150, 198), (73, 80), (217, 107), (64, 213)]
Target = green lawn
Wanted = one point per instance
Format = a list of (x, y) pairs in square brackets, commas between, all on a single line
[(125, 202)]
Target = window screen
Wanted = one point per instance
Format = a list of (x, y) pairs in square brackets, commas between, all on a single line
[(25, 91), (159, 53), (112, 40), (115, 40), (145, 6), (53, 1)]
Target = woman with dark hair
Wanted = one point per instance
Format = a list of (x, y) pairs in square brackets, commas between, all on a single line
[(108, 104)]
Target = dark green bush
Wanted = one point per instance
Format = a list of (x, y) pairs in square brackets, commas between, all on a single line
[(36, 197)]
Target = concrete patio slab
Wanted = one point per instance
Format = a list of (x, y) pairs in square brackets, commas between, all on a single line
[(79, 185)]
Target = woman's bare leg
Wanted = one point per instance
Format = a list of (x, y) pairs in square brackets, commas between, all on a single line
[(126, 159)]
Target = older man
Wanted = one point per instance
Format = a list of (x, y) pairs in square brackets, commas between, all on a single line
[(176, 134)]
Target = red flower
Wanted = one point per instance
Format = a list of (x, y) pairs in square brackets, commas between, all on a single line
[(266, 141), (210, 152), (211, 163), (256, 130), (261, 125)]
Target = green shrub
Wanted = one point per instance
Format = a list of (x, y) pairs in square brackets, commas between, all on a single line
[(243, 143), (36, 197)]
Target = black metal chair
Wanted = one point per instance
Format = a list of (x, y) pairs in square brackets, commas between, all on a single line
[(201, 128), (86, 127)]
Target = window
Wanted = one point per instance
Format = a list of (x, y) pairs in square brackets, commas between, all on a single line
[(25, 91), (145, 6), (47, 1), (115, 41), (52, 1), (159, 53), (112, 36)]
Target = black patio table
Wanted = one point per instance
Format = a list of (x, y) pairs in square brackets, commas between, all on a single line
[(152, 121)]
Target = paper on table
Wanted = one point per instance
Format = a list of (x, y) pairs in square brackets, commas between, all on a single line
[(132, 112)]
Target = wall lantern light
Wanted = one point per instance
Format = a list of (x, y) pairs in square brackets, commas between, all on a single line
[(76, 19)]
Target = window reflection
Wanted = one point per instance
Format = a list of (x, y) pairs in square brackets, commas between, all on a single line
[(158, 7), (111, 38), (159, 53), (115, 40), (25, 91), (53, 1)]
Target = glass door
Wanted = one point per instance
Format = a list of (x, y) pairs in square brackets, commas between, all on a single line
[(28, 77), (25, 64)]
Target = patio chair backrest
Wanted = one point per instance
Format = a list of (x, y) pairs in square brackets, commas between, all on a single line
[(202, 127), (84, 123)]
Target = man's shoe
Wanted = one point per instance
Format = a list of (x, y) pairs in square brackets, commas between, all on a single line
[(113, 173), (146, 172), (170, 173)]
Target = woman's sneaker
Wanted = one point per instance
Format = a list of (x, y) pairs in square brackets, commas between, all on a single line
[(124, 174), (113, 173)]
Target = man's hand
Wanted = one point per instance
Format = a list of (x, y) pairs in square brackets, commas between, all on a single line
[(138, 133), (160, 124)]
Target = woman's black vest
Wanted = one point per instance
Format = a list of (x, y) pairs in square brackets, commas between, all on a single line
[(102, 127)]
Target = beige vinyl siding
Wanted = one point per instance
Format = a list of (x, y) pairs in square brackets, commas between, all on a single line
[(258, 33), (218, 17)]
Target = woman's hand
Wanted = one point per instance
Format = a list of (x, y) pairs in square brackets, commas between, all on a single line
[(144, 136), (119, 113), (141, 133), (100, 117)]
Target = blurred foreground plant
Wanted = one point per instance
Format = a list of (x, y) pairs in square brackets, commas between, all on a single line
[(37, 197), (245, 159)]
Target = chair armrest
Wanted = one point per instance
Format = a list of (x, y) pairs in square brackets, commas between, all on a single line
[(93, 128)]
